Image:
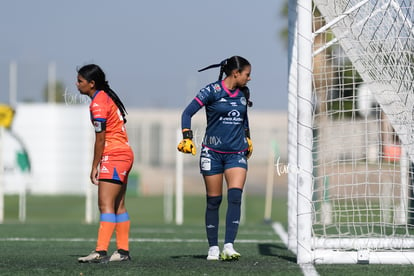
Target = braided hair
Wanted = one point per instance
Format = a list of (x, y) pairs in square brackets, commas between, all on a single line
[(93, 72), (227, 66)]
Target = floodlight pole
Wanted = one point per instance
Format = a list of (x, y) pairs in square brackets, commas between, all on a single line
[(13, 84)]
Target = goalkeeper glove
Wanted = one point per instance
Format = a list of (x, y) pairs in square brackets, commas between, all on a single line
[(250, 148), (249, 142), (186, 145)]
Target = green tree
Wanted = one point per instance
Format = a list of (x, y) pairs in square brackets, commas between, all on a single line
[(59, 89), (284, 12)]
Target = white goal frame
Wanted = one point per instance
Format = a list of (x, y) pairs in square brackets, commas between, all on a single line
[(311, 249)]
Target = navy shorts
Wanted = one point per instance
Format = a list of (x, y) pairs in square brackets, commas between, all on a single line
[(212, 162)]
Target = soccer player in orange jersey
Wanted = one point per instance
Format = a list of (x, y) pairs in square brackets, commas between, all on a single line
[(112, 162)]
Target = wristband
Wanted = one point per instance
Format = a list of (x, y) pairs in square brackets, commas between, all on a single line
[(188, 134)]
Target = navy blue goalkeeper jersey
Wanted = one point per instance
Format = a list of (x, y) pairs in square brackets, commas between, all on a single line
[(226, 113)]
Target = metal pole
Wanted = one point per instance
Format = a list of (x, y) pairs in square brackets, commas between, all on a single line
[(179, 172), (269, 185), (13, 84)]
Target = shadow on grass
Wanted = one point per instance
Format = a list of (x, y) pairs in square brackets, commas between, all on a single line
[(268, 249), (188, 257)]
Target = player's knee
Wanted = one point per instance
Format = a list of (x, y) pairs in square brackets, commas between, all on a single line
[(234, 196), (105, 207), (213, 202)]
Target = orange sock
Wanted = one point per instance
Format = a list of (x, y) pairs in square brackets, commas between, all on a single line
[(122, 231), (106, 229)]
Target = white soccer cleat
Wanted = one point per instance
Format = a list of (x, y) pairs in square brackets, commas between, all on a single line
[(229, 254), (213, 253), (120, 256), (94, 257)]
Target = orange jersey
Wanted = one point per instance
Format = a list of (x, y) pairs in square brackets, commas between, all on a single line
[(105, 115)]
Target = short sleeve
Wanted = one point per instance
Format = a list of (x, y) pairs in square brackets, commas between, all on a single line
[(99, 107)]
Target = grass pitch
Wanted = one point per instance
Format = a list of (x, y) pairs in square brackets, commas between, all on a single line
[(155, 250), (55, 235)]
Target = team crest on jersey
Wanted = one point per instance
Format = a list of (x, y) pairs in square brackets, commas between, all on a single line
[(217, 87), (243, 101)]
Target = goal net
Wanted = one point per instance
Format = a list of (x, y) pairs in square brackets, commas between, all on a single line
[(351, 137)]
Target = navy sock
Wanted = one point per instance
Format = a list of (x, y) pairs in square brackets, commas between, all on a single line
[(212, 219), (234, 197)]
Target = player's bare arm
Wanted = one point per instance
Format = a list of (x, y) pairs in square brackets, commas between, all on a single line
[(97, 155)]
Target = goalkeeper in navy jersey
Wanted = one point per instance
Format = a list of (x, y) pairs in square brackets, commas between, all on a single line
[(225, 149)]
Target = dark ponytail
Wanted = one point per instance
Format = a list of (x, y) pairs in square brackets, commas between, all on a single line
[(223, 64), (93, 72), (111, 93)]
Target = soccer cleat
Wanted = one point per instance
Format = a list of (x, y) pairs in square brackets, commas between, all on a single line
[(95, 257), (213, 253), (120, 256), (229, 254)]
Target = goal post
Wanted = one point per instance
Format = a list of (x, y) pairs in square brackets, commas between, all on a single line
[(304, 131), (292, 125), (351, 137)]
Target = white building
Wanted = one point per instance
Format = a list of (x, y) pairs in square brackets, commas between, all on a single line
[(59, 139)]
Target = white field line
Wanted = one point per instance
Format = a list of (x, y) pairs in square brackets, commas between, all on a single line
[(278, 228), (172, 230), (131, 240), (307, 269)]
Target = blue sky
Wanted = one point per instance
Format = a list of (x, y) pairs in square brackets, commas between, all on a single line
[(150, 49)]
